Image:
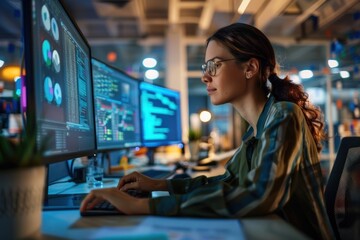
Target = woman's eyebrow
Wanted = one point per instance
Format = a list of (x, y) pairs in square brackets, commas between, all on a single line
[(216, 57)]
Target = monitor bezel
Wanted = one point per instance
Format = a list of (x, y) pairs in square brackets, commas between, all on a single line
[(28, 88), (153, 144), (107, 149)]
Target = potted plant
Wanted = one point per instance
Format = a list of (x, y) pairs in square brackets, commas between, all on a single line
[(194, 144), (22, 179)]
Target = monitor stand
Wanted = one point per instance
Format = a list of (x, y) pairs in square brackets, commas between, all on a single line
[(151, 155)]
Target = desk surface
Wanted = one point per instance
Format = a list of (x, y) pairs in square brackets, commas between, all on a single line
[(70, 225)]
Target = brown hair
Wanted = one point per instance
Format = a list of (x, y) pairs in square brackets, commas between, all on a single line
[(245, 42)]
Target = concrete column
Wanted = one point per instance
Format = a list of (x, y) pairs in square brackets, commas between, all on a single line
[(176, 69), (329, 115)]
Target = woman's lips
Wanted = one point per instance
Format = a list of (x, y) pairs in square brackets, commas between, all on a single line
[(211, 90)]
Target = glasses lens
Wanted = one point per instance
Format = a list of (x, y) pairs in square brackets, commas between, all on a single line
[(211, 68), (203, 68)]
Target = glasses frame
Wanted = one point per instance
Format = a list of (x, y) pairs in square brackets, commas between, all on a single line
[(215, 65)]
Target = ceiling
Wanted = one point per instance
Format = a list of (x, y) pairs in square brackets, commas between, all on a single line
[(301, 30), (149, 19)]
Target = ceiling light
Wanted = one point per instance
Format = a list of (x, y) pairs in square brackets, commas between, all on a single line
[(333, 63), (152, 74), (304, 74), (205, 116), (10, 72), (344, 74), (149, 62), (243, 6)]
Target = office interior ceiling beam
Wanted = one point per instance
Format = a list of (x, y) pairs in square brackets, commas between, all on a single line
[(272, 10), (115, 16), (191, 5), (334, 9), (140, 12), (206, 17), (174, 11), (250, 11), (253, 7), (311, 7), (112, 27)]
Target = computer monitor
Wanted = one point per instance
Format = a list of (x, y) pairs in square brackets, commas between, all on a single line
[(160, 115), (58, 83), (117, 108)]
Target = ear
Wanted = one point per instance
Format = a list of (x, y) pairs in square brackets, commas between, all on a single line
[(252, 68)]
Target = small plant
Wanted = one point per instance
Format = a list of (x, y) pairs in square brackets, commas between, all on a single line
[(194, 135), (21, 152)]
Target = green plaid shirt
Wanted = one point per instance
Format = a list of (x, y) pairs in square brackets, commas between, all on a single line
[(277, 171)]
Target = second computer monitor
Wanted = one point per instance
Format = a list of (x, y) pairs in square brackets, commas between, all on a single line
[(117, 110), (160, 115)]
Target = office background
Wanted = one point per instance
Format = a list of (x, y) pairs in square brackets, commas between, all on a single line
[(305, 34)]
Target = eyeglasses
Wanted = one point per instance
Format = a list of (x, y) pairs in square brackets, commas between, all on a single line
[(211, 66)]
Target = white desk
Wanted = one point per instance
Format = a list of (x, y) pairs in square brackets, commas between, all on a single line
[(70, 225)]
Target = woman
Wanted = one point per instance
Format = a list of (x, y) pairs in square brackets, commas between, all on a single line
[(276, 170)]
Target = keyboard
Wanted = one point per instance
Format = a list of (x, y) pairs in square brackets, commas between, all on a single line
[(157, 173), (105, 208), (153, 173), (102, 209)]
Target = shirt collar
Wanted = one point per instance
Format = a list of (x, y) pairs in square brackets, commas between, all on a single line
[(261, 121)]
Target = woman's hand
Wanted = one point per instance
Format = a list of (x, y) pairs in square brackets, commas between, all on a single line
[(140, 182), (119, 199)]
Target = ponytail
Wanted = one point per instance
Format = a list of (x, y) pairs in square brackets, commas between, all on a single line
[(286, 90)]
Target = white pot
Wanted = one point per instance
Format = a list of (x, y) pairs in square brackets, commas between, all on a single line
[(21, 199), (194, 147)]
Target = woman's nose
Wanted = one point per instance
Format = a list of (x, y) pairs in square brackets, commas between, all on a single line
[(205, 78)]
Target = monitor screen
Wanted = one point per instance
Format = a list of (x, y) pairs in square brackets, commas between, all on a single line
[(160, 115), (117, 107), (58, 83)]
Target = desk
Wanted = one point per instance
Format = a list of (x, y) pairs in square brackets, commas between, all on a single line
[(70, 225)]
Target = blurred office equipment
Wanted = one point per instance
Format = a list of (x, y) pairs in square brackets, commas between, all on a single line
[(342, 193)]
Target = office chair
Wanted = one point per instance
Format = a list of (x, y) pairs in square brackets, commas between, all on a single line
[(342, 191)]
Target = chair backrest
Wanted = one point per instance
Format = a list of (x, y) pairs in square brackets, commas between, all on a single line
[(341, 187)]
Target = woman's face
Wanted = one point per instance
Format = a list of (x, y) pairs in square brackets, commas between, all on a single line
[(228, 84)]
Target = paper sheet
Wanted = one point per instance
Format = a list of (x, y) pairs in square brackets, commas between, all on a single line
[(163, 228)]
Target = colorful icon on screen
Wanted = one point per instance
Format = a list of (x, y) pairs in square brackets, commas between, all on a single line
[(46, 50), (56, 60), (57, 94), (48, 89), (45, 16), (54, 29)]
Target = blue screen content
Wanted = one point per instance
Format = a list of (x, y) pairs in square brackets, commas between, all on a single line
[(160, 115), (58, 80), (117, 108)]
